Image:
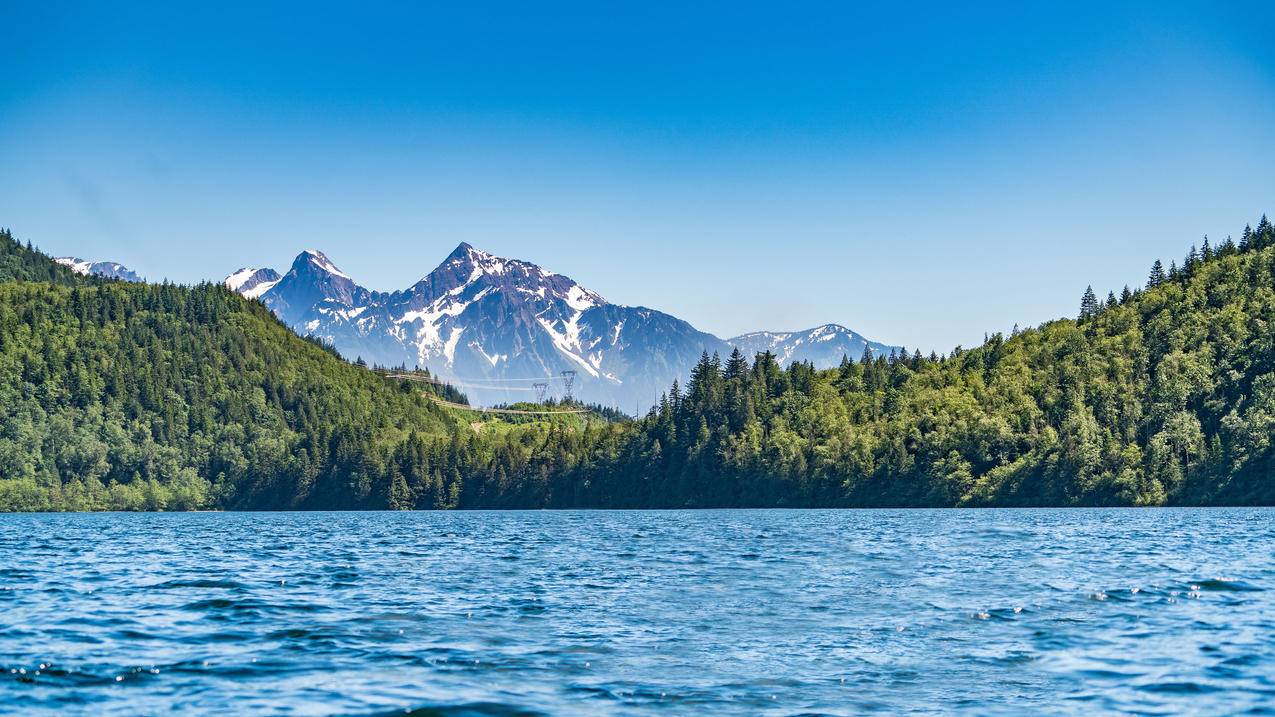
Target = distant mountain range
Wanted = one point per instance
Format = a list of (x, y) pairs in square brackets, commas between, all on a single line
[(108, 269), (822, 346), (496, 327)]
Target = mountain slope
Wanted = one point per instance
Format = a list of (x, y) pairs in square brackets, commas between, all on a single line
[(26, 263)]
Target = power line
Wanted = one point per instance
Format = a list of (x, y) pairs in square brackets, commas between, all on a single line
[(462, 384), (516, 411)]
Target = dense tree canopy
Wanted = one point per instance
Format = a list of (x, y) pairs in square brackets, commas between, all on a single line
[(1161, 396), (120, 395), (136, 396)]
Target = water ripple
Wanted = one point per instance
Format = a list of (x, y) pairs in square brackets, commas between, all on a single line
[(576, 613)]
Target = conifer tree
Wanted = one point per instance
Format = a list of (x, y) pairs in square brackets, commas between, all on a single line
[(1157, 275), (1088, 304), (1264, 235), (736, 365), (846, 370)]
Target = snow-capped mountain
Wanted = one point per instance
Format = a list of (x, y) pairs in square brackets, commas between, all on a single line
[(252, 282), (108, 269), (313, 284), (823, 345), (496, 327), (493, 326)]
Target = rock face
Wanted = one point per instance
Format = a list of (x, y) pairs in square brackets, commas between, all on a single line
[(495, 327), (823, 345), (108, 269)]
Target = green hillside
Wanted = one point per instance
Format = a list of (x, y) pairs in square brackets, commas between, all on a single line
[(25, 263), (137, 396), (1160, 395)]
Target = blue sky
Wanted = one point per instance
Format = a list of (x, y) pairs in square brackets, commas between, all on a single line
[(921, 174)]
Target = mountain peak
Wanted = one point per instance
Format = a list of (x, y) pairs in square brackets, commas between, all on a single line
[(466, 254), (826, 329), (318, 260), (466, 264)]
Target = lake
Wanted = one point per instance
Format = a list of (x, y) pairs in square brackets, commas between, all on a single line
[(640, 612)]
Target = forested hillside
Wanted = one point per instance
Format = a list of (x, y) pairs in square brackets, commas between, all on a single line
[(133, 396), (25, 263), (1160, 395)]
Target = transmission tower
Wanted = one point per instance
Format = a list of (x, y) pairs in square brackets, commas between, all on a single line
[(541, 390), (568, 378)]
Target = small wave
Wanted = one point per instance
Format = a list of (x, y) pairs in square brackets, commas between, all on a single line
[(1178, 688), (58, 676), (1100, 674), (206, 583), (241, 607), (1225, 585), (471, 709)]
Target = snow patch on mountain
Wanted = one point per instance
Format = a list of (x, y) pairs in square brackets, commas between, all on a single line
[(252, 283), (105, 269), (824, 346), (239, 278)]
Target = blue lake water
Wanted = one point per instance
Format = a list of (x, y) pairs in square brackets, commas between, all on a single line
[(661, 612)]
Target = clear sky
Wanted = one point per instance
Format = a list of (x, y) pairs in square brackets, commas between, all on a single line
[(921, 174)]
